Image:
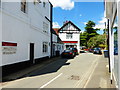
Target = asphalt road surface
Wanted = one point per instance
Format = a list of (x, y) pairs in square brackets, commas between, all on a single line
[(62, 73)]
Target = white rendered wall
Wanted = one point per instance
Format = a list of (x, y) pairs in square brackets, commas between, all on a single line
[(118, 42), (54, 38), (76, 37), (23, 29), (0, 39)]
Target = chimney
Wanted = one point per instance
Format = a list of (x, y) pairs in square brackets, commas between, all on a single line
[(65, 22)]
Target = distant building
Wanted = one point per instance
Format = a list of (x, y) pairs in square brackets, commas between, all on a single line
[(69, 33), (57, 45), (26, 31), (112, 11), (56, 30)]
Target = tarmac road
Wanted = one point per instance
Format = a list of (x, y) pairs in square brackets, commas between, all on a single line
[(62, 73)]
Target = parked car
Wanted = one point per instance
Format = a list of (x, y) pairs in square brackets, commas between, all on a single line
[(74, 50), (91, 50), (82, 51), (68, 54), (115, 51), (97, 51)]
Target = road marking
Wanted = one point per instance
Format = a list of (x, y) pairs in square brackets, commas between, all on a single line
[(90, 75), (51, 80), (86, 74)]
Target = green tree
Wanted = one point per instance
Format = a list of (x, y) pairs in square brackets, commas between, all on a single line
[(97, 41), (83, 38), (89, 32), (89, 28)]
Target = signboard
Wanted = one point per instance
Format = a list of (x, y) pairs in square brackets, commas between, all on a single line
[(70, 41), (9, 48)]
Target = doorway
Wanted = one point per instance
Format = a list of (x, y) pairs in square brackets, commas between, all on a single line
[(32, 53)]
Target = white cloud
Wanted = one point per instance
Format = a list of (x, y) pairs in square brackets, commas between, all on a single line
[(85, 23), (101, 23), (103, 20), (80, 15), (101, 26), (64, 4), (56, 25)]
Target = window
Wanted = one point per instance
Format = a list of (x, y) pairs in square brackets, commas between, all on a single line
[(23, 6), (44, 4), (37, 1), (0, 3), (45, 47), (45, 27), (69, 36)]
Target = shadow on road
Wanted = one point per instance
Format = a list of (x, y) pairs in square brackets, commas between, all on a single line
[(51, 67)]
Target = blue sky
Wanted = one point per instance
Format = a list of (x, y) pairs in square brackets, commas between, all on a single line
[(79, 13)]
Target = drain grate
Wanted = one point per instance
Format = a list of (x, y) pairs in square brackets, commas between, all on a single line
[(74, 77)]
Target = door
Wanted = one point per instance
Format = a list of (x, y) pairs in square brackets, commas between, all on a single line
[(32, 53)]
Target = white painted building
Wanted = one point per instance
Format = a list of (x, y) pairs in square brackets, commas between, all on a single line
[(112, 10), (69, 33), (26, 31), (57, 45)]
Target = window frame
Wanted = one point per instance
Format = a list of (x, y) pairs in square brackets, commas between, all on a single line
[(69, 35), (45, 27), (44, 4), (37, 1), (45, 47), (24, 6)]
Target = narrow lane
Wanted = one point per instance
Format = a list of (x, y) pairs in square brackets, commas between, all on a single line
[(62, 73)]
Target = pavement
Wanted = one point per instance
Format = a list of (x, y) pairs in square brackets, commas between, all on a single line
[(101, 76), (84, 71)]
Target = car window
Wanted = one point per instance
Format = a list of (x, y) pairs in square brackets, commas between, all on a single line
[(66, 50)]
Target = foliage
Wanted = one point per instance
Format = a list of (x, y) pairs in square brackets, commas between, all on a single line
[(90, 28), (97, 41), (89, 32), (83, 37)]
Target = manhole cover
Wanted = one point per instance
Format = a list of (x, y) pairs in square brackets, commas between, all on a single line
[(74, 77)]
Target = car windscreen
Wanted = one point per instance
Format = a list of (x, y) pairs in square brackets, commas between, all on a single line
[(67, 50), (96, 48)]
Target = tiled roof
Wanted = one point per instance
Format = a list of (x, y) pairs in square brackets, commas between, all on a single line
[(56, 30)]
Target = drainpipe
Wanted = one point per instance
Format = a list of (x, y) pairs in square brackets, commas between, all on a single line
[(108, 43), (51, 50), (110, 50)]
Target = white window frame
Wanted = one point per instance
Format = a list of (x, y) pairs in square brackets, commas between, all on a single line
[(45, 47), (45, 27), (24, 6), (37, 1), (69, 35)]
